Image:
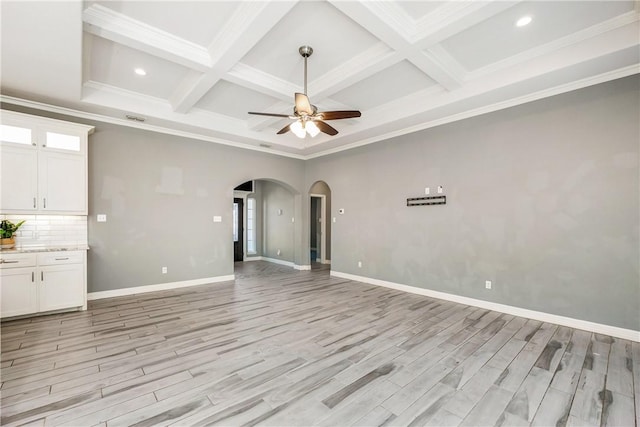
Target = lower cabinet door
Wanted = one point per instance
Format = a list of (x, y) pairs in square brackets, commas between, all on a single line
[(61, 286), (18, 291)]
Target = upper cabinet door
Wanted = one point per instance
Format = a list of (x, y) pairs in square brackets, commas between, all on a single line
[(63, 183), (19, 179)]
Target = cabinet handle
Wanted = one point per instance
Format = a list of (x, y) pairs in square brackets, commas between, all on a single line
[(44, 202), (33, 276), (34, 203), (42, 276), (2, 261), (62, 259)]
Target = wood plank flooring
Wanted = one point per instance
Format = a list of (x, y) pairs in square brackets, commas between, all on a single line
[(280, 347)]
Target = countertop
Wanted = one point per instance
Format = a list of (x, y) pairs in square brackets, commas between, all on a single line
[(31, 249)]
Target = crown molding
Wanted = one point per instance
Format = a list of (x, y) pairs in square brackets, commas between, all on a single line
[(138, 125), (572, 39), (109, 24), (556, 90), (601, 78)]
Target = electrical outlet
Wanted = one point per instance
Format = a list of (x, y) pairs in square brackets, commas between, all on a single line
[(164, 270), (427, 191), (102, 218), (359, 264), (487, 284), (439, 189)]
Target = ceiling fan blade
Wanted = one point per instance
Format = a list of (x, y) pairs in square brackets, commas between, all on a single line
[(269, 114), (335, 115), (324, 127), (285, 129), (303, 106)]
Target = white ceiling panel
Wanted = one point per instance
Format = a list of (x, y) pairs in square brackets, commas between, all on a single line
[(114, 64), (418, 9), (394, 82), (334, 37), (498, 37), (204, 18), (235, 101), (405, 65)]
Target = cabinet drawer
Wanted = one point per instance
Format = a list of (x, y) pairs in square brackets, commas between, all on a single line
[(62, 257), (17, 260)]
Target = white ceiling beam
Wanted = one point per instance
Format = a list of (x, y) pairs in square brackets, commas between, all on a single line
[(452, 18), (250, 23), (386, 21), (111, 25), (367, 63), (254, 79)]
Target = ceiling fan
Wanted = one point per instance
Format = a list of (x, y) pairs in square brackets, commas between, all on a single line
[(308, 120)]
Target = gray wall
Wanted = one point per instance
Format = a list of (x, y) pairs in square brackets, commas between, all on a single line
[(542, 200), (278, 230), (160, 194)]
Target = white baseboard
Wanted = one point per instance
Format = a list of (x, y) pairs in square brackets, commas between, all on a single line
[(614, 331), (159, 287), (278, 261), (287, 263)]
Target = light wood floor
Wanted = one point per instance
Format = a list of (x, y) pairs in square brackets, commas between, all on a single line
[(282, 347)]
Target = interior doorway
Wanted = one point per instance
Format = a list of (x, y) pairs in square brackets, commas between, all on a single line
[(320, 224), (238, 229), (316, 222)]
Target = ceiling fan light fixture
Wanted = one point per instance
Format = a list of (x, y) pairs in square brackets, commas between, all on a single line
[(297, 128), (312, 129)]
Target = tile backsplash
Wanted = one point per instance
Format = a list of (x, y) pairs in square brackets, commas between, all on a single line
[(50, 230)]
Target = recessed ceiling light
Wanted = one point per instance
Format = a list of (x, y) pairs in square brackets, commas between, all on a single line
[(140, 71), (525, 20)]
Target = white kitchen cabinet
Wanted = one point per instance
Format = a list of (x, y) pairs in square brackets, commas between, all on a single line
[(44, 165), (19, 291), (46, 281)]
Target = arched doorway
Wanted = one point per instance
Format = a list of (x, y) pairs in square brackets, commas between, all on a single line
[(264, 221), (320, 224)]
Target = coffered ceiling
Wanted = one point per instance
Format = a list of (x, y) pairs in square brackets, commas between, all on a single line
[(407, 65)]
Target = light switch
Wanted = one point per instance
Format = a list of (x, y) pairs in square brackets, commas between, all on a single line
[(217, 218), (426, 191), (102, 218), (334, 219)]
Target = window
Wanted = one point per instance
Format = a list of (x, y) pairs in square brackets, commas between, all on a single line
[(63, 142), (235, 222), (251, 226), (15, 134)]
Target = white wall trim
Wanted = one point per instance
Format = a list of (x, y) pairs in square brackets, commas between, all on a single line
[(614, 331), (278, 261), (281, 262), (159, 287)]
